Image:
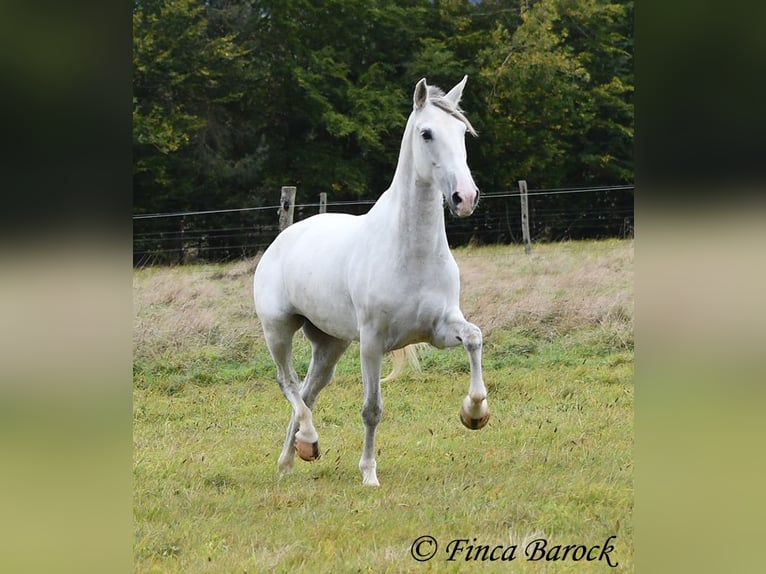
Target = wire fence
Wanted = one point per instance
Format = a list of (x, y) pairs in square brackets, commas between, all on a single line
[(228, 234)]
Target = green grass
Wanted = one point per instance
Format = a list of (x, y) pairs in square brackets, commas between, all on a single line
[(554, 462)]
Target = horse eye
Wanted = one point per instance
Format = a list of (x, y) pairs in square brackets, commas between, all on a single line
[(427, 135)]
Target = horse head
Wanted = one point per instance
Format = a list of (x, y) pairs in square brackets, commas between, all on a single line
[(439, 145)]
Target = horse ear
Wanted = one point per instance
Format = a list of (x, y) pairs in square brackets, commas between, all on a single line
[(456, 93), (421, 94)]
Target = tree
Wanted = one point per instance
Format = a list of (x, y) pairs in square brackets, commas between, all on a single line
[(337, 103), (560, 98), (235, 98), (188, 87), (601, 35), (561, 86)]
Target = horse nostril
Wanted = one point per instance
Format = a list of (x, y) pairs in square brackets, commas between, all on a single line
[(456, 198)]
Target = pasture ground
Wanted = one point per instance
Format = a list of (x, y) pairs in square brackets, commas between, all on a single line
[(555, 461)]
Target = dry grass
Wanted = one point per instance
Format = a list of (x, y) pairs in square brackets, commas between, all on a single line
[(182, 307), (558, 287)]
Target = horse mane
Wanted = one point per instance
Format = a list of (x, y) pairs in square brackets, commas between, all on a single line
[(436, 97)]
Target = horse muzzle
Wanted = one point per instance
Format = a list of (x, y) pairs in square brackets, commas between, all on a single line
[(463, 204)]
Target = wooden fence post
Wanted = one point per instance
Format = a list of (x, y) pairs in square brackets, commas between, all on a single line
[(323, 202), (525, 216), (286, 207), (182, 241)]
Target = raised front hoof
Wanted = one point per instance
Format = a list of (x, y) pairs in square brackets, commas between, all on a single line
[(308, 451), (473, 424)]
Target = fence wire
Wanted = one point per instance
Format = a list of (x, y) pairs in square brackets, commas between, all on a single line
[(228, 234)]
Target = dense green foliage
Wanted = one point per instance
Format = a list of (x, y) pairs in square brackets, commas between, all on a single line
[(234, 98)]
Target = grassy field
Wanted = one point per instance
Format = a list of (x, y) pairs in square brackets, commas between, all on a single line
[(553, 464)]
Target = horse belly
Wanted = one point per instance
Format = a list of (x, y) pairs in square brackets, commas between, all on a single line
[(324, 301)]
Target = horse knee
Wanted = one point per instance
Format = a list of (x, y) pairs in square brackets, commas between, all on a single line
[(372, 412), (472, 338)]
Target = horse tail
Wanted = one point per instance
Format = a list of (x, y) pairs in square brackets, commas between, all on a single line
[(400, 358)]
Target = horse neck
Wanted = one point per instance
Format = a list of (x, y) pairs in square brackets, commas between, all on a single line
[(418, 207)]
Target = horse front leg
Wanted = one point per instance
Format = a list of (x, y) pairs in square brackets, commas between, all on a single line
[(455, 330), (372, 359)]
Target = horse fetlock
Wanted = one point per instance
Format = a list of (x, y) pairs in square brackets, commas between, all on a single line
[(369, 472), (307, 434)]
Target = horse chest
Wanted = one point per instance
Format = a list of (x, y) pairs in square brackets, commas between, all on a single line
[(430, 282), (407, 296)]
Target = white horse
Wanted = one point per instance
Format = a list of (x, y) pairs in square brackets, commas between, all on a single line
[(386, 279)]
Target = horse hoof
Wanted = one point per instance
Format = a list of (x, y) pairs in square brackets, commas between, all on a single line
[(308, 451), (473, 424)]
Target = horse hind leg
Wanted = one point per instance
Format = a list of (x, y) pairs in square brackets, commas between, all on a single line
[(326, 351), (279, 339)]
